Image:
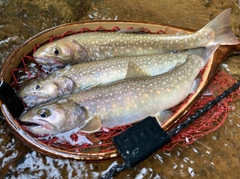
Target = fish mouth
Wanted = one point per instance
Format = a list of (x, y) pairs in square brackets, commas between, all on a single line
[(31, 100), (33, 128), (29, 124), (40, 123), (49, 61)]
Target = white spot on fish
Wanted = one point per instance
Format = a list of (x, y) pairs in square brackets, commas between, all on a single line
[(158, 92), (146, 95)]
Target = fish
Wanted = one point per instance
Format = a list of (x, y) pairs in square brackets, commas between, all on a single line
[(123, 102), (86, 75), (89, 46)]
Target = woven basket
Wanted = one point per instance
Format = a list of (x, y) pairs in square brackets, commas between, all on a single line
[(27, 47)]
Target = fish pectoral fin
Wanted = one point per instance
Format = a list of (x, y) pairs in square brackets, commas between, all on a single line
[(134, 71), (133, 31), (162, 116), (92, 125), (195, 85)]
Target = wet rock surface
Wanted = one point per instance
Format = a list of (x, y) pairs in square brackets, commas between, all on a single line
[(21, 19), (217, 155)]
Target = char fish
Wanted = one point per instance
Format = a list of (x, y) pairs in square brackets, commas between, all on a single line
[(85, 75), (98, 45), (120, 103)]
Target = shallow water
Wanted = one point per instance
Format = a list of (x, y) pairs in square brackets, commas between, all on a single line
[(217, 155)]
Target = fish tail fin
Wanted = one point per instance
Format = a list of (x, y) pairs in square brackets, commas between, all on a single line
[(222, 29), (204, 52)]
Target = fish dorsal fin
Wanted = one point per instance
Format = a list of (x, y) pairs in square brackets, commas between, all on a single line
[(92, 125), (134, 71)]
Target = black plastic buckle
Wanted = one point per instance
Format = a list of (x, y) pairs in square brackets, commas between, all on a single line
[(10, 99), (140, 141)]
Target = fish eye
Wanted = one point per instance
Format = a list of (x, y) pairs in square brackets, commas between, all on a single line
[(55, 51), (43, 113)]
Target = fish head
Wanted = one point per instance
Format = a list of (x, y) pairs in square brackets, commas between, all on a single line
[(54, 118), (40, 90), (60, 53)]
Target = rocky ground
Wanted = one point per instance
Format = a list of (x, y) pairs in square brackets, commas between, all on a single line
[(216, 155)]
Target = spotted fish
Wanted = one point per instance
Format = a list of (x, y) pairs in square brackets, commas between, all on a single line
[(120, 103), (98, 45), (85, 75)]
